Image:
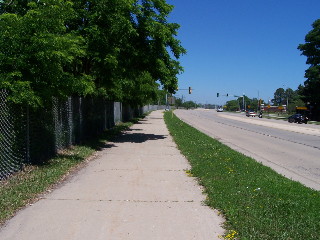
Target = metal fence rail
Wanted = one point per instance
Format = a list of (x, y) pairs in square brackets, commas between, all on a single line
[(32, 136)]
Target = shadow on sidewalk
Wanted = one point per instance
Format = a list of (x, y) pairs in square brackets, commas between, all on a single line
[(123, 134), (137, 137)]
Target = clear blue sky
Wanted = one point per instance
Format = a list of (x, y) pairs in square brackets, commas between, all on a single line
[(237, 47)]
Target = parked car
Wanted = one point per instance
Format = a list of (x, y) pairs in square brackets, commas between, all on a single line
[(251, 113), (298, 118), (220, 110)]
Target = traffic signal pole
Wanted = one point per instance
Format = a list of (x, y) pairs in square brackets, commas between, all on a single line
[(226, 95), (188, 89)]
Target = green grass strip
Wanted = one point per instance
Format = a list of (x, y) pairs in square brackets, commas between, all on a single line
[(25, 186), (257, 202)]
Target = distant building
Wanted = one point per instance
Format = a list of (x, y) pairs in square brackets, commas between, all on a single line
[(274, 109)]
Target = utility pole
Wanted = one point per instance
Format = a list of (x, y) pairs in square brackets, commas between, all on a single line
[(166, 100), (286, 93), (243, 103), (258, 107)]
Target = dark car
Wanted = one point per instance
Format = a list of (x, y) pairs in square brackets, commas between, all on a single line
[(298, 118)]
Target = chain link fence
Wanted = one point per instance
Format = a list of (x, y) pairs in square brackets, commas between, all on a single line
[(32, 136), (13, 152)]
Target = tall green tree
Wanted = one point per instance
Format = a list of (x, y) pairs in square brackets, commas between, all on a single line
[(38, 58), (179, 102), (157, 42), (161, 97), (129, 44), (290, 95), (293, 99), (106, 26), (189, 104), (311, 50), (233, 105), (119, 49), (279, 97)]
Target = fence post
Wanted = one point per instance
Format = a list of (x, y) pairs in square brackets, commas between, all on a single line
[(70, 121), (28, 137)]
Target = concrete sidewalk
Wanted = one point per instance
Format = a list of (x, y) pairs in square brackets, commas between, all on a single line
[(136, 189)]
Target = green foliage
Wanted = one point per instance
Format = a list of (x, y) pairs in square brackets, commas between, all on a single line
[(25, 186), (240, 103), (282, 96), (155, 37), (311, 50), (120, 49), (179, 102), (233, 105), (257, 202), (187, 104), (38, 59), (279, 96), (128, 47), (290, 97), (161, 97), (19, 7)]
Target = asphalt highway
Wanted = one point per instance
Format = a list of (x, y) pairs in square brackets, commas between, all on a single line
[(292, 150)]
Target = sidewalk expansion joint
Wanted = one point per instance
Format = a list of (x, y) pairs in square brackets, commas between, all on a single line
[(148, 154), (145, 170), (130, 201)]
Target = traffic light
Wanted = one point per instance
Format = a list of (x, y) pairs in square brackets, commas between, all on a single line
[(227, 94), (190, 90), (217, 94)]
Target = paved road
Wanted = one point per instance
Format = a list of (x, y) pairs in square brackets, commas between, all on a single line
[(291, 149), (136, 189)]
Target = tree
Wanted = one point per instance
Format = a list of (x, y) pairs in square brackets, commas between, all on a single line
[(233, 105), (119, 49), (290, 95), (189, 104), (179, 102), (161, 97), (279, 97), (38, 58), (293, 99), (311, 50), (156, 38), (244, 101), (128, 43), (253, 104), (19, 7)]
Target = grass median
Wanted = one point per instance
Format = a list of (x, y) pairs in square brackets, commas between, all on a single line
[(26, 186), (256, 202)]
